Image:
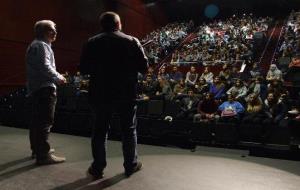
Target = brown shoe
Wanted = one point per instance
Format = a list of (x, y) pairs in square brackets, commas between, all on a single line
[(51, 159), (33, 154), (129, 172)]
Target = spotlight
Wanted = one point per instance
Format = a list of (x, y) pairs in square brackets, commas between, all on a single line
[(211, 11)]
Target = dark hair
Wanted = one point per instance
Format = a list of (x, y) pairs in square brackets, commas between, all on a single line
[(109, 21)]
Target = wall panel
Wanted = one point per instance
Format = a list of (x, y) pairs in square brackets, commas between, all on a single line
[(76, 21)]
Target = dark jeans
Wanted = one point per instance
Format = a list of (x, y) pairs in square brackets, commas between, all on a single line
[(128, 122), (42, 104)]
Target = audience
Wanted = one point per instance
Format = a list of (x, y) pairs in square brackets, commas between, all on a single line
[(202, 95)]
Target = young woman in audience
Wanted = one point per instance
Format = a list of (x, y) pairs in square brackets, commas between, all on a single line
[(274, 73), (163, 74), (257, 86), (207, 109), (164, 91), (254, 110)]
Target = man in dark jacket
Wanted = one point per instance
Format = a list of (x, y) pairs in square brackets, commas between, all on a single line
[(113, 60)]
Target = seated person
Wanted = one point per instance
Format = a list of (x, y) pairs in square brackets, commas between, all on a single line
[(201, 87), (217, 88), (295, 62), (225, 75), (164, 90), (207, 75), (77, 79), (150, 72), (235, 74), (239, 90), (254, 110), (274, 73), (255, 71), (231, 110), (180, 89), (188, 106), (276, 87), (148, 88), (175, 75), (275, 110), (163, 74), (257, 86), (191, 77), (207, 109)]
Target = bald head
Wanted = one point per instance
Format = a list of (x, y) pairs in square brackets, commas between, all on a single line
[(110, 21)]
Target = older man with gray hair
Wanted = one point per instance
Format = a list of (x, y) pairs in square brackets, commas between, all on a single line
[(42, 79)]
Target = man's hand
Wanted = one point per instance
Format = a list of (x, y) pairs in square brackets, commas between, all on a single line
[(62, 80)]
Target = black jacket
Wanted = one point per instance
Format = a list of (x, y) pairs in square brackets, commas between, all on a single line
[(113, 60)]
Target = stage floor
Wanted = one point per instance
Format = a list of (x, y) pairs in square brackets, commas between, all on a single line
[(165, 168)]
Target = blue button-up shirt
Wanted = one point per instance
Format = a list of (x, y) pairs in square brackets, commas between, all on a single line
[(41, 69)]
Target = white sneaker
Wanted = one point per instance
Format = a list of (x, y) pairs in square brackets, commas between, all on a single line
[(293, 112)]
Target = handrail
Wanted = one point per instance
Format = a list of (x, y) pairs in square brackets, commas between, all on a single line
[(162, 62), (267, 44), (205, 62), (277, 45)]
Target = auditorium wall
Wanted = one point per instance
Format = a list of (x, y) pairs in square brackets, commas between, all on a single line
[(76, 21)]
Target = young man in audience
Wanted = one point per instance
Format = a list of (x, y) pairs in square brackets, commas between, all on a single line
[(175, 75), (180, 89), (207, 109), (188, 106), (148, 88), (217, 88), (275, 109)]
